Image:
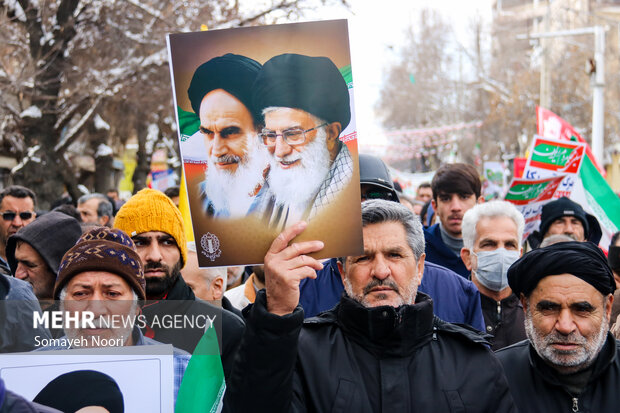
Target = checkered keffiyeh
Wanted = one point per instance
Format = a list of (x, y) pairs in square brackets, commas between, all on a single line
[(337, 179)]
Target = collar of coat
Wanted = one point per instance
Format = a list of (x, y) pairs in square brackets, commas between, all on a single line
[(391, 331), (603, 360), (384, 330)]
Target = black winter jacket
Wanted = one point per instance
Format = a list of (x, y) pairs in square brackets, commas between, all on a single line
[(504, 320), (535, 386), (357, 359)]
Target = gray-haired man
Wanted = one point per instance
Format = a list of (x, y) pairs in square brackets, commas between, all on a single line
[(492, 235), (97, 209), (369, 353)]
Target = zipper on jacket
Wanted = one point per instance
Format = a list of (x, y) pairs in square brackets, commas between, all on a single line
[(398, 319), (499, 312), (434, 333), (575, 405)]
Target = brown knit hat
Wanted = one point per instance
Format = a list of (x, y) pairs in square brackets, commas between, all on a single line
[(151, 210), (103, 249)]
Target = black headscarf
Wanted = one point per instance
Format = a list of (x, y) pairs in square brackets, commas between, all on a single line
[(581, 259), (73, 391), (312, 84), (231, 72)]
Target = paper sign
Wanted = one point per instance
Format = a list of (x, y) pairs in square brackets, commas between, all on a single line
[(552, 126), (525, 191), (143, 374), (268, 138), (552, 157)]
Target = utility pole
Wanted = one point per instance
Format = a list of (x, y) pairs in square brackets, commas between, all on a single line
[(545, 73), (598, 80), (598, 94)]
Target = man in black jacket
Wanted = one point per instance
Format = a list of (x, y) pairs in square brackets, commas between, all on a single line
[(380, 350), (570, 361), (156, 227)]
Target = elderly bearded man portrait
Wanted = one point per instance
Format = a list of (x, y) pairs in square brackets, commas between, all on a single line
[(220, 93), (305, 103), (570, 362)]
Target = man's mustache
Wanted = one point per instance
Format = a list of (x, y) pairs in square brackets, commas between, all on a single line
[(156, 266), (380, 283), (228, 159)]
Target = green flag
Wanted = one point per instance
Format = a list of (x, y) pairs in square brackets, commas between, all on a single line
[(203, 385), (601, 199)]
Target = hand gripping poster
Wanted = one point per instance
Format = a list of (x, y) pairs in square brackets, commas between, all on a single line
[(267, 135)]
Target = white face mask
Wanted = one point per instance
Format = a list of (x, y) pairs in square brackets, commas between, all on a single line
[(492, 271)]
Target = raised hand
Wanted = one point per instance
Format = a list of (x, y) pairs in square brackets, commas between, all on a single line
[(285, 266)]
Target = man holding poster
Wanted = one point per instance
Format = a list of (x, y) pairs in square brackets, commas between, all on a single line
[(305, 102)]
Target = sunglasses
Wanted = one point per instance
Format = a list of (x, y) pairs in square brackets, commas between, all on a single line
[(10, 215)]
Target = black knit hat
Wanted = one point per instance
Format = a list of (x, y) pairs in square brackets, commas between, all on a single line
[(312, 84), (231, 72), (51, 235), (560, 208)]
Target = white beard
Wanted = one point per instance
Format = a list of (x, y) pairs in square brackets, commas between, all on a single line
[(298, 186), (234, 191)]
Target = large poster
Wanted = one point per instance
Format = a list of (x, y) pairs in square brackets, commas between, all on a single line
[(268, 138)]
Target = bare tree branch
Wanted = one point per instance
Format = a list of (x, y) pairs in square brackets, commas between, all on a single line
[(74, 132)]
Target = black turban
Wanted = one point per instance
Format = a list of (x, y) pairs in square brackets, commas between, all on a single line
[(231, 72), (312, 84), (582, 259), (73, 391)]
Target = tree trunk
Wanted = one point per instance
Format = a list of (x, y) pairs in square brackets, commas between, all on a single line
[(143, 161), (104, 173)]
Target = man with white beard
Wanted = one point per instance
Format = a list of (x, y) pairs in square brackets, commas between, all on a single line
[(220, 93), (571, 362), (305, 104)]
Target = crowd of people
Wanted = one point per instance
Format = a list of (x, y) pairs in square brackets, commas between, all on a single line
[(453, 316), (447, 307)]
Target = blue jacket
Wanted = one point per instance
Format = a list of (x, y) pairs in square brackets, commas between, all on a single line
[(439, 253), (455, 299)]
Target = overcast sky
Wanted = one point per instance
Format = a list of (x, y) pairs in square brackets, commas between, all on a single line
[(376, 32)]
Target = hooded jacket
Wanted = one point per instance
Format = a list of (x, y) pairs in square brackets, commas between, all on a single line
[(357, 359), (51, 235)]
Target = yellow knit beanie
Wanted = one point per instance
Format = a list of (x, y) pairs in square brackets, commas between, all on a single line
[(151, 210)]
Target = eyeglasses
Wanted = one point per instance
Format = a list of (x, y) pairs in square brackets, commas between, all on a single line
[(290, 136), (10, 215)]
